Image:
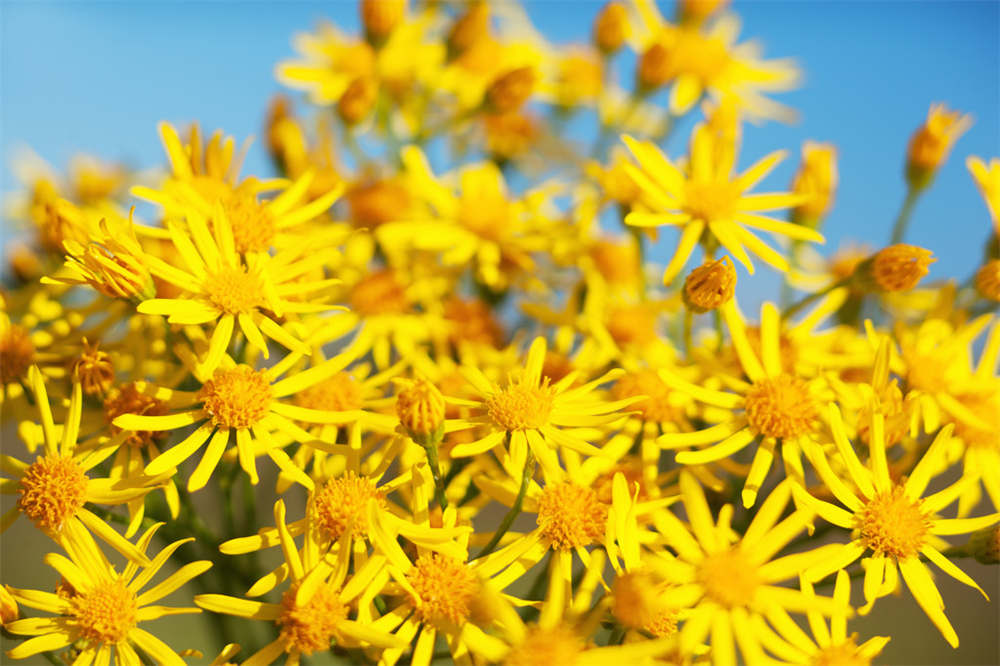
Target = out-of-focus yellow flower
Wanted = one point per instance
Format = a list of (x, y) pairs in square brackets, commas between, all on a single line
[(380, 17), (987, 179), (696, 11), (931, 143), (707, 199), (987, 280), (611, 28), (816, 180)]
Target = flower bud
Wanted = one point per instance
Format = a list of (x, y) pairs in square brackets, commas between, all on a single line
[(611, 28), (471, 29), (895, 268), (984, 545), (710, 285), (511, 89), (358, 100), (931, 143), (420, 408), (694, 12), (380, 18), (93, 369), (988, 280), (816, 180), (655, 67)]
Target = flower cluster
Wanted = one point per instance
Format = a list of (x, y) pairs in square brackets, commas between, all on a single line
[(476, 417)]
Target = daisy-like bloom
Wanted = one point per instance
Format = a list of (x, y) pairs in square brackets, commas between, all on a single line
[(221, 289), (707, 200), (205, 177), (99, 610), (828, 645), (314, 609), (987, 179), (530, 412), (236, 400), (777, 406), (731, 584), (54, 489), (701, 62), (931, 143), (891, 519)]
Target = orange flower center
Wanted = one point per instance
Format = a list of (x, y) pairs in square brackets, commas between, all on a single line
[(781, 407), (310, 627), (106, 613), (235, 290), (253, 224), (710, 201), (446, 589), (637, 604), (844, 654), (378, 294), (729, 577), (340, 506), (52, 490), (339, 393), (16, 354), (236, 397), (128, 400), (657, 406), (893, 524), (547, 647), (571, 516), (520, 407)]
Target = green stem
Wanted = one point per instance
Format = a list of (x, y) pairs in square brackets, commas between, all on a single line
[(903, 219), (811, 298), (515, 509), (432, 460)]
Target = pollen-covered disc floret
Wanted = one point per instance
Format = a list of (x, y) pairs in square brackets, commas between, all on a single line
[(339, 393), (253, 225), (571, 515), (637, 604), (729, 578), (893, 524), (781, 407), (709, 286), (521, 407), (658, 405), (94, 370), (310, 627), (235, 289), (900, 267), (52, 490), (340, 505), (379, 293), (128, 399), (842, 654), (16, 353), (105, 613), (236, 397), (547, 647), (446, 588)]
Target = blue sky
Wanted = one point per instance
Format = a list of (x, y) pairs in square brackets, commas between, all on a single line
[(96, 77)]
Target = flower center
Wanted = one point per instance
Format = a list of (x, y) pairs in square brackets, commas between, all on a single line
[(520, 407), (16, 353), (52, 490), (128, 400), (253, 225), (486, 216), (729, 578), (781, 407), (309, 628), (446, 588), (710, 285), (845, 654), (379, 293), (895, 410), (547, 647), (900, 267), (618, 263), (340, 505), (236, 397), (657, 406), (710, 201), (235, 290), (339, 393), (571, 516), (892, 523), (472, 321), (637, 604), (987, 407), (926, 372), (632, 325), (106, 613), (94, 370)]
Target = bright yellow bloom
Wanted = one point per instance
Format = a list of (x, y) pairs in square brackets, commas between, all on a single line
[(707, 202), (101, 608), (987, 179), (931, 143), (891, 519)]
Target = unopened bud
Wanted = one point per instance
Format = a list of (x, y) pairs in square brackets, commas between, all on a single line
[(984, 545), (469, 30), (380, 18), (696, 11), (896, 268), (611, 28), (816, 180), (988, 280), (93, 369), (420, 408), (931, 143), (710, 285), (358, 100), (655, 67), (510, 90)]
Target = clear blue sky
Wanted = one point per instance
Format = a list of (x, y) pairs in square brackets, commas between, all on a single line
[(96, 77)]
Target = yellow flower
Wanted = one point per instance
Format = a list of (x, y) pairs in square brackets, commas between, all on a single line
[(987, 179), (103, 608), (892, 519), (707, 202), (931, 143), (816, 179)]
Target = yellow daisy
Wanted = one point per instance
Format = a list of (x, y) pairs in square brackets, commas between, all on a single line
[(892, 519), (708, 204)]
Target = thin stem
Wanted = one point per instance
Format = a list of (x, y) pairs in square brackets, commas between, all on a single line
[(432, 460), (903, 219), (811, 298), (515, 509), (688, 325)]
